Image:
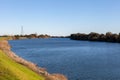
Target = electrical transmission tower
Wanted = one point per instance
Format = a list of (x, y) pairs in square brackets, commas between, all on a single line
[(22, 32)]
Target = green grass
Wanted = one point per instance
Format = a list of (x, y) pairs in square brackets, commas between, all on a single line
[(10, 70)]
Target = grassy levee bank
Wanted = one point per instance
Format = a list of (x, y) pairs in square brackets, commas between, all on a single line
[(13, 67), (10, 70)]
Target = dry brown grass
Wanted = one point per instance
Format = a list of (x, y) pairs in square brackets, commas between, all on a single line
[(56, 77), (4, 45)]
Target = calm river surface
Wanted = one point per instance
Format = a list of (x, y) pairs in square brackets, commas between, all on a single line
[(78, 60)]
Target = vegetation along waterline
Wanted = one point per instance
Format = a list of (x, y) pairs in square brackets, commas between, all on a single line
[(13, 67), (108, 37)]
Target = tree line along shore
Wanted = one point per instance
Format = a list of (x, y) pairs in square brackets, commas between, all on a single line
[(28, 36), (93, 36), (108, 37)]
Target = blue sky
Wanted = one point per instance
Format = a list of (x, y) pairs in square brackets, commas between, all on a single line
[(59, 17)]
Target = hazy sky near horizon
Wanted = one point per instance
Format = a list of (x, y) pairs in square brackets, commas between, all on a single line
[(59, 17)]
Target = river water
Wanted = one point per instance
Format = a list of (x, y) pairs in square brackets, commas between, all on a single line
[(78, 60)]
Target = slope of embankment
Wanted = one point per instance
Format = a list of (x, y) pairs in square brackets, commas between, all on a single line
[(13, 67), (10, 70)]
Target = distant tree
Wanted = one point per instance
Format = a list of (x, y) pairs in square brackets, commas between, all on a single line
[(79, 36), (102, 37), (108, 37), (16, 37), (118, 39), (43, 36), (33, 35), (114, 38), (93, 36)]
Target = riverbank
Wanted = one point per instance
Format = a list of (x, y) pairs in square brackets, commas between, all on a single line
[(108, 37), (6, 49)]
